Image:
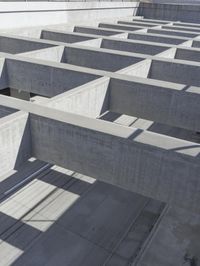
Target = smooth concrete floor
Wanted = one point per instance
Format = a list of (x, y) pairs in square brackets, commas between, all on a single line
[(63, 218)]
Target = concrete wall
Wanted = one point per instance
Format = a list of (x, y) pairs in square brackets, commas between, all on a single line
[(167, 104), (4, 111), (177, 12), (89, 100), (125, 157), (16, 45), (97, 59), (63, 37), (132, 47), (29, 14), (43, 79), (187, 74), (15, 141), (156, 38)]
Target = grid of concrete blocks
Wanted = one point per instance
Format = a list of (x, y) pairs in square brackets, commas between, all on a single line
[(118, 103)]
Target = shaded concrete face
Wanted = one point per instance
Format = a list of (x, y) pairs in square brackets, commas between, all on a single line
[(175, 12), (137, 23), (4, 111), (63, 37), (16, 45), (46, 80), (173, 33), (196, 44), (15, 141), (97, 60), (143, 20), (154, 38), (181, 28), (174, 72), (132, 47), (119, 27), (94, 31), (141, 100), (189, 55)]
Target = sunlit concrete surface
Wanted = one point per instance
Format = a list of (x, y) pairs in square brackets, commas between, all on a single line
[(99, 135)]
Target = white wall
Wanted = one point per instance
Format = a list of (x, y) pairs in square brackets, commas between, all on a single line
[(31, 14)]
